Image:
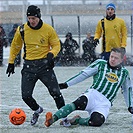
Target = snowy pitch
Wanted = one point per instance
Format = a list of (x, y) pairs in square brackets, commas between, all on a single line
[(119, 120)]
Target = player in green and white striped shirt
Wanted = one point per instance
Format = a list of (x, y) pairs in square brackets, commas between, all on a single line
[(108, 77)]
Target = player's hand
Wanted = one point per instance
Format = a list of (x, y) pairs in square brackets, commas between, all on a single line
[(130, 109), (50, 59), (63, 85), (10, 69), (96, 42)]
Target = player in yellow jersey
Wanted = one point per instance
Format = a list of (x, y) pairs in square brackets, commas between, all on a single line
[(113, 31), (41, 44)]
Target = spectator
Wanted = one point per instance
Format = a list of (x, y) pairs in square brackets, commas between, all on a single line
[(113, 31), (10, 36), (12, 33), (69, 47), (89, 54), (3, 42)]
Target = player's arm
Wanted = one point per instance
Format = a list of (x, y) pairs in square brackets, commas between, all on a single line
[(16, 46), (54, 42), (124, 34), (98, 31), (84, 74), (128, 94)]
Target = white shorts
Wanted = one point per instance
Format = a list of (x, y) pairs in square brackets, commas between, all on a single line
[(97, 102)]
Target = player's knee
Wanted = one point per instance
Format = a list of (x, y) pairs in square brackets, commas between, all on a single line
[(81, 103), (96, 119), (55, 93)]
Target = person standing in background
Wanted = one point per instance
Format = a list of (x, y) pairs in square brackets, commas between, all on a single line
[(3, 42), (89, 54), (113, 31), (69, 49), (70, 45)]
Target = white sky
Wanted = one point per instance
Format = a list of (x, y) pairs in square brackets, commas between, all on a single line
[(56, 1), (35, 2), (40, 2), (4, 3)]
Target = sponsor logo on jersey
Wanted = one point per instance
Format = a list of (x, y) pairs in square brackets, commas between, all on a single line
[(111, 77)]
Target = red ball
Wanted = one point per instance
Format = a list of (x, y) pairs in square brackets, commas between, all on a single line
[(17, 116)]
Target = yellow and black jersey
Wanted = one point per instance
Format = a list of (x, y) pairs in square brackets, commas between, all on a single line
[(115, 33), (37, 43)]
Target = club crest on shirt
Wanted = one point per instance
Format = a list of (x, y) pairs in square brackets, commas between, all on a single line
[(42, 41), (111, 77)]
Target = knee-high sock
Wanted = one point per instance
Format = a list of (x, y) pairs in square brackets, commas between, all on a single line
[(64, 111), (84, 121)]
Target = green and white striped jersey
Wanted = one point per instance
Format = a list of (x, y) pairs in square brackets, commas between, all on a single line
[(106, 80)]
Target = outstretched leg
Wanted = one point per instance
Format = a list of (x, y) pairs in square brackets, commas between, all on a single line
[(61, 113), (79, 104)]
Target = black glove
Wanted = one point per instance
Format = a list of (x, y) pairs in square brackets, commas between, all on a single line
[(130, 109), (63, 85), (123, 50), (10, 69), (96, 42), (50, 59)]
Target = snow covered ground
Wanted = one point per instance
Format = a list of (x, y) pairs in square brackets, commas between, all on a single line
[(118, 121)]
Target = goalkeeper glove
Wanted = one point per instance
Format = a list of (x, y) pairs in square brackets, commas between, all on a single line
[(63, 85), (130, 109), (10, 69), (50, 59)]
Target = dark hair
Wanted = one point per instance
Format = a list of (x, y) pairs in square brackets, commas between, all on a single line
[(118, 50), (69, 34)]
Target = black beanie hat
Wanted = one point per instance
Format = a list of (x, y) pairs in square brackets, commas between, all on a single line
[(33, 11)]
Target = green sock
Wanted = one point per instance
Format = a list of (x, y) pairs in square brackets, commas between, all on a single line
[(84, 121), (64, 111)]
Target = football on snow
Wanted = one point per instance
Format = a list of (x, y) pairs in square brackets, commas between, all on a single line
[(17, 116)]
